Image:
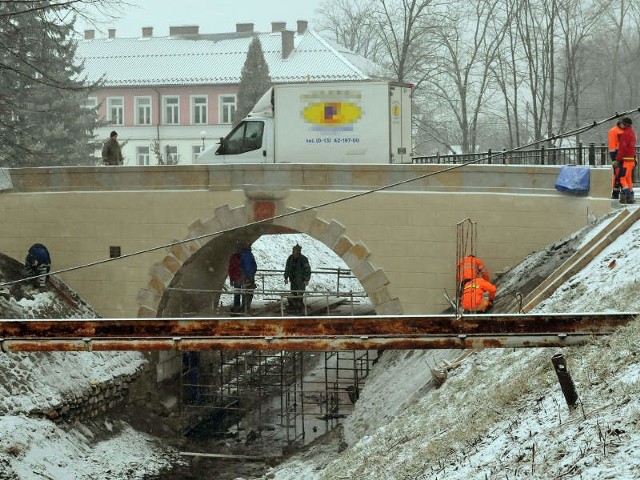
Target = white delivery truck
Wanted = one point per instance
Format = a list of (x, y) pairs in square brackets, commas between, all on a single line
[(337, 122)]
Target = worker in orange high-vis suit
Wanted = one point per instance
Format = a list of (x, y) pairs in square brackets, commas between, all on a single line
[(477, 295), (614, 138), (626, 159), (470, 267)]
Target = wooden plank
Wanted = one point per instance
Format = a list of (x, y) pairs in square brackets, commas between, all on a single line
[(250, 458), (581, 258)]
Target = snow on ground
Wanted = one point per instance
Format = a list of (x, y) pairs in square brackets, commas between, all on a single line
[(36, 449), (33, 383), (502, 414), (271, 253)]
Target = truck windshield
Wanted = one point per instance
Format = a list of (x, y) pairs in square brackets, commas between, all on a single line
[(247, 136)]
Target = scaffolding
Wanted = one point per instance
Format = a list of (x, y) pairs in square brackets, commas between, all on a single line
[(292, 392)]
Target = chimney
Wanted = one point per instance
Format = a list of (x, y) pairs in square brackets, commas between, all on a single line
[(287, 42), (147, 32), (184, 30), (278, 26), (89, 34), (112, 33), (244, 27), (302, 26)]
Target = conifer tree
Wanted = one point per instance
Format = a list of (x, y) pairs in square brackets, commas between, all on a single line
[(254, 80), (43, 115)]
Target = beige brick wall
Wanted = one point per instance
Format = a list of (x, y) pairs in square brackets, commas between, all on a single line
[(400, 243)]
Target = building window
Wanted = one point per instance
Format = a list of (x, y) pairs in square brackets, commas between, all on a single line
[(227, 108), (198, 110), (172, 157), (195, 151), (171, 110), (115, 110), (142, 155), (143, 110)]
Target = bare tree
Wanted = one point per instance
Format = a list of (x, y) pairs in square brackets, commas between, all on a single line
[(352, 25), (577, 24), (470, 37), (404, 27)]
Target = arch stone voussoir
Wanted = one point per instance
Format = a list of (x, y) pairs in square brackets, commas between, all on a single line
[(342, 246), (172, 264), (392, 307), (161, 274), (179, 250), (231, 218), (301, 222), (326, 232)]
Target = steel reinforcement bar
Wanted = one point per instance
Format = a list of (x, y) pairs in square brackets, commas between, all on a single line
[(309, 333)]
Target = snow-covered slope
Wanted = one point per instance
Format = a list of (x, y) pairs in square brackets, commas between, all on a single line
[(502, 414)]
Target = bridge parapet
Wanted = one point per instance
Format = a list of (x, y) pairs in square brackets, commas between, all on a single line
[(444, 178)]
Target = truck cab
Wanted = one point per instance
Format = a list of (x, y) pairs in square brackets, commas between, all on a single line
[(249, 142)]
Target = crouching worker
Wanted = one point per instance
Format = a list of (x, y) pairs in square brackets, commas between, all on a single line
[(477, 295), (38, 262), (470, 267)]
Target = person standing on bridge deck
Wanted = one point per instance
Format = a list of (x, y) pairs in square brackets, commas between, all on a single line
[(614, 140), (248, 269), (235, 279), (626, 158), (298, 271), (477, 295), (111, 153), (470, 267)]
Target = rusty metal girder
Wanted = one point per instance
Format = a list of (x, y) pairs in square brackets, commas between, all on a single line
[(308, 333)]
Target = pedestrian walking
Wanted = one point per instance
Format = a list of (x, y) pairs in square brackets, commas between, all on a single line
[(111, 153)]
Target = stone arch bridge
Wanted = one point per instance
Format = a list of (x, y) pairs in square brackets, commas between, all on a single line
[(400, 242)]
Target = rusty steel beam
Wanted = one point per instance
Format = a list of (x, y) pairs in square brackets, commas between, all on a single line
[(308, 333)]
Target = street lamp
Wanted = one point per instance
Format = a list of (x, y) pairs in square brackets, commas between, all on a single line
[(202, 135)]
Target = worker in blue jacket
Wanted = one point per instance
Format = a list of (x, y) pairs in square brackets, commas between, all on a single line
[(248, 269), (38, 262)]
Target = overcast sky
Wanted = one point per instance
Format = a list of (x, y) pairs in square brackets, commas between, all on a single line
[(213, 16)]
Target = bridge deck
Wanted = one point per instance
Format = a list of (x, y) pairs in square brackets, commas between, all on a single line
[(309, 333)]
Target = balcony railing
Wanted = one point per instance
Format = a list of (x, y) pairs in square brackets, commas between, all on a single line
[(591, 154)]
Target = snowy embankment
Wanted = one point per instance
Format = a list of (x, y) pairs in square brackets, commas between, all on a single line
[(502, 414), (37, 386), (33, 384)]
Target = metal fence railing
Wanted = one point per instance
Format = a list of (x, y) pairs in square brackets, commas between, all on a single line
[(590, 154)]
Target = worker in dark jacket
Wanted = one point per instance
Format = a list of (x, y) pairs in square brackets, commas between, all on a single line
[(38, 262), (298, 271), (477, 295), (111, 153)]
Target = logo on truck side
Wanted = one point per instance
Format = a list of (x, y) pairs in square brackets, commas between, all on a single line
[(332, 114)]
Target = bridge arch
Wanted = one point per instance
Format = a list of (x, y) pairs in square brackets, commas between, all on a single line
[(201, 263)]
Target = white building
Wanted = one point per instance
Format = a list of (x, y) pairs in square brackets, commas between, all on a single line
[(179, 92)]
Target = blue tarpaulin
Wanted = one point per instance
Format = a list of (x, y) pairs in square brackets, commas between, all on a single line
[(573, 179)]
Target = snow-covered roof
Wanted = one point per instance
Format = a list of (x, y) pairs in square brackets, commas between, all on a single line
[(215, 59)]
